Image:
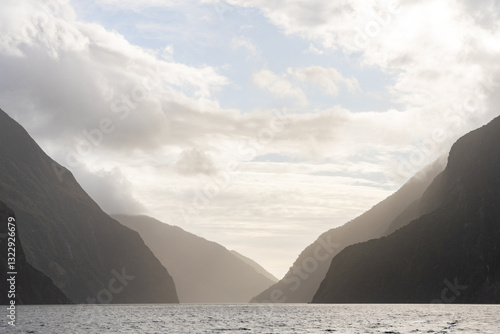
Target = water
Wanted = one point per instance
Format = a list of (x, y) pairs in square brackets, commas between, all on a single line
[(274, 318)]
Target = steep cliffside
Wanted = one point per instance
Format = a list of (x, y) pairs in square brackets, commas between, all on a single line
[(449, 254)]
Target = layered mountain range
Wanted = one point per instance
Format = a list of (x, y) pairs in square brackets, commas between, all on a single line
[(304, 278), (203, 271), (437, 239), (75, 249), (65, 235), (449, 253)]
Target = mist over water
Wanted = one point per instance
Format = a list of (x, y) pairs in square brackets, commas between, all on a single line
[(271, 318)]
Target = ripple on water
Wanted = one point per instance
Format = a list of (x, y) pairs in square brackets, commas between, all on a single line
[(262, 319)]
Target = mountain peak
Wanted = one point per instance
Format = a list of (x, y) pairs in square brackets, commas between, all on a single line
[(67, 236), (457, 239)]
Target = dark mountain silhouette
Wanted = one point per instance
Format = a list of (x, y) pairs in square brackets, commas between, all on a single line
[(449, 254), (32, 286), (203, 271), (87, 254), (304, 278)]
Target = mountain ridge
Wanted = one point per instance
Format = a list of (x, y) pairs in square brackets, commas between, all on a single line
[(449, 254), (306, 274), (67, 236), (255, 265), (204, 271)]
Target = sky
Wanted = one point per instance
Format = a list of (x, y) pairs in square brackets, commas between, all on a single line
[(255, 124)]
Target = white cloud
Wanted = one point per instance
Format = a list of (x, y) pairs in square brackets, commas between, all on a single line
[(289, 84), (102, 76), (315, 50), (279, 86), (438, 52), (111, 190), (194, 162), (316, 20), (136, 118), (244, 43), (327, 79), (142, 4)]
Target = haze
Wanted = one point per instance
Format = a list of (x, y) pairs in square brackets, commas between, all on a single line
[(255, 124)]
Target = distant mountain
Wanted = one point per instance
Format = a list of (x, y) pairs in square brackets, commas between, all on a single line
[(451, 253), (304, 278), (32, 286), (87, 254), (255, 265), (203, 271)]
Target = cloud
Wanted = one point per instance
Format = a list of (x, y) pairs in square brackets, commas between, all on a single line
[(142, 4), (244, 43), (289, 84), (278, 86), (266, 206), (111, 190), (322, 21), (79, 74), (135, 118), (195, 162), (314, 49), (485, 13), (437, 52), (327, 79)]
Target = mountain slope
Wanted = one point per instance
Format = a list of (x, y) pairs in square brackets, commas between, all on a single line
[(203, 271), (32, 286), (304, 278), (449, 254), (255, 265), (65, 235)]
